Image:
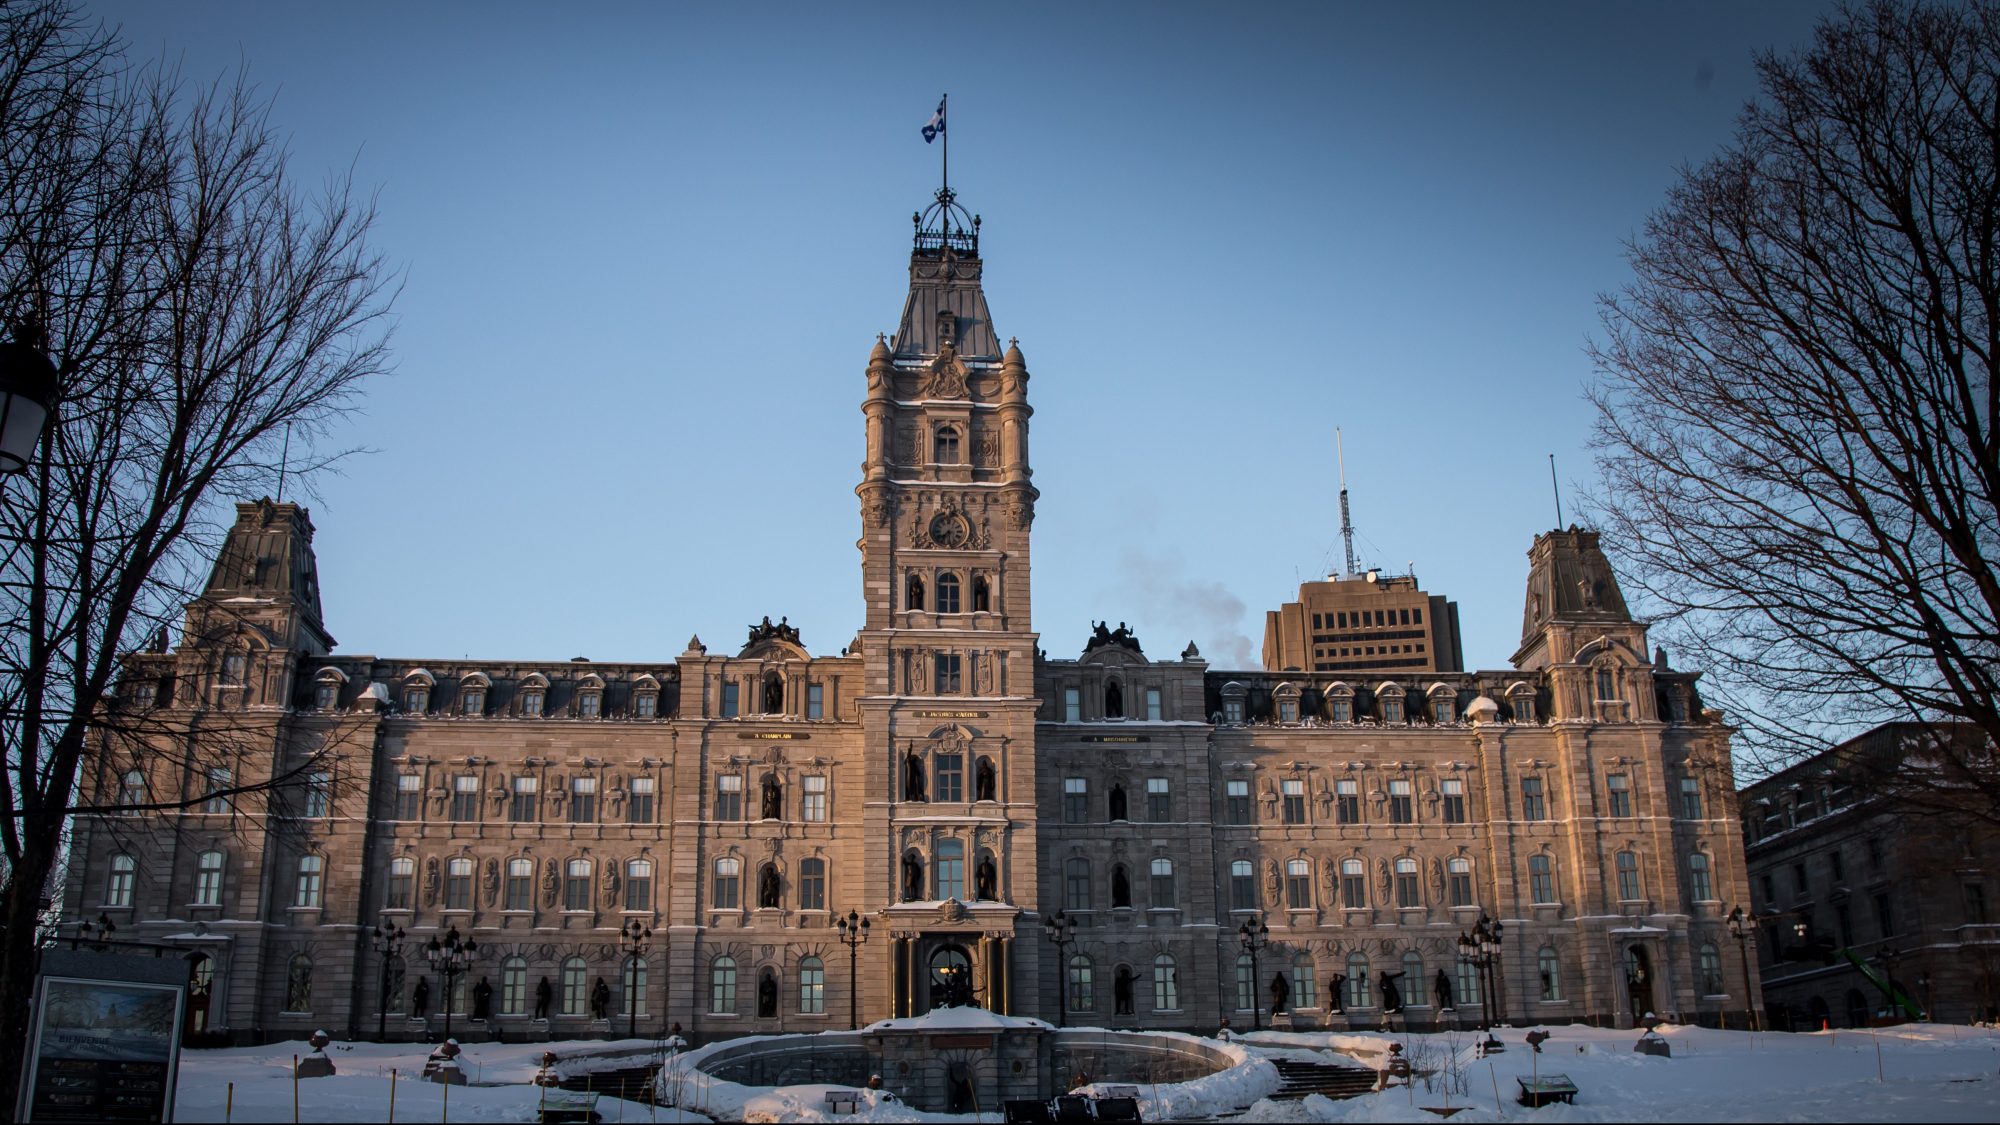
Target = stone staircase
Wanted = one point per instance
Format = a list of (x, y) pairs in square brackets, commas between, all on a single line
[(632, 1083), (1297, 1079)]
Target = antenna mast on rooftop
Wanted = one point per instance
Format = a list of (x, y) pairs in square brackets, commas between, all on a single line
[(1346, 525)]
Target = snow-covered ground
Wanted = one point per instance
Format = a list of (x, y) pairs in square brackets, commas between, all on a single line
[(1930, 1072)]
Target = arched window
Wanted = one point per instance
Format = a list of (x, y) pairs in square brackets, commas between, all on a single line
[(1710, 962), (533, 693), (1407, 891), (945, 447), (1699, 887), (132, 789), (590, 697), (1166, 984), (1358, 994), (1392, 704), (1549, 965), (1413, 982), (514, 986), (722, 984), (1298, 884), (639, 884), (299, 984), (948, 871), (417, 692), (1458, 881), (1541, 879), (575, 986), (1246, 983), (208, 879), (1340, 703), (1121, 887), (1082, 992), (982, 595), (1353, 884), (1163, 883), (1521, 698), (1444, 705), (1076, 883), (1305, 982), (728, 881), (458, 883), (307, 889), (472, 695), (632, 983), (1628, 877), (947, 593), (576, 885), (118, 890), (326, 689), (402, 883), (812, 986), (913, 593), (520, 885)]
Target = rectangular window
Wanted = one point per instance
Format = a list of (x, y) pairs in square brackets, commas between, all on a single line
[(1839, 869), (731, 700), (1843, 921), (1293, 806), (948, 778), (589, 704), (1885, 918), (728, 880), (729, 797), (947, 682), (1532, 805), (208, 880), (1690, 799), (1454, 801), (402, 881), (1541, 879), (1153, 705), (1975, 904), (645, 705), (1402, 806), (815, 701), (1236, 799), (639, 885), (1628, 877), (642, 801), (583, 800), (576, 885), (311, 869), (215, 801), (319, 794), (1159, 801), (812, 884), (1770, 888), (1232, 711), (1163, 883), (465, 797), (1458, 877), (1072, 705), (1076, 800), (1242, 885), (1347, 802), (1305, 983), (1407, 891), (1619, 788), (531, 703), (520, 884), (1343, 709), (813, 807)]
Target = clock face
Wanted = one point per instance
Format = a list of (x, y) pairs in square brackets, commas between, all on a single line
[(948, 529)]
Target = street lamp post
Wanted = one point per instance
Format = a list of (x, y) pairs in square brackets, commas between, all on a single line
[(633, 938), (1061, 932), (1742, 925), (1254, 935), (1482, 948), (97, 933), (387, 940), (451, 958), (853, 931), (27, 396)]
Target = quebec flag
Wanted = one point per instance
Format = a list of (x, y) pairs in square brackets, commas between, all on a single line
[(935, 125)]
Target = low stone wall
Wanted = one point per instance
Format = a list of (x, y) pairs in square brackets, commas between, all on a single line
[(795, 1060), (1132, 1057)]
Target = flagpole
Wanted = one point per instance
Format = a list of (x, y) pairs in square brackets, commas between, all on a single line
[(944, 105)]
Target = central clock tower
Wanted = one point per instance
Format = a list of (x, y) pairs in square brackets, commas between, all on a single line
[(949, 713)]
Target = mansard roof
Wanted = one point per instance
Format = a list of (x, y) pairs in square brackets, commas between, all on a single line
[(946, 301)]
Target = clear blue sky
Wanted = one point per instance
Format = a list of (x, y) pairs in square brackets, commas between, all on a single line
[(647, 248)]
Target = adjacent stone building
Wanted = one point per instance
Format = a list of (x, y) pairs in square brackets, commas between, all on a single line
[(940, 777), (1854, 892)]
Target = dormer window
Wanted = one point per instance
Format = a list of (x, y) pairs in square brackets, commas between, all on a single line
[(645, 698), (1391, 697), (326, 689), (945, 449), (534, 693), (1444, 705), (1340, 703), (1607, 682), (1288, 703), (1232, 704), (472, 695), (1521, 698), (589, 697), (144, 695), (416, 700)]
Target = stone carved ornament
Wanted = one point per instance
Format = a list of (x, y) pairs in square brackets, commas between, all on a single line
[(431, 881), (551, 885), (492, 882)]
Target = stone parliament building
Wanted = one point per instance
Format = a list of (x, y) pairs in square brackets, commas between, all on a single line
[(941, 777)]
